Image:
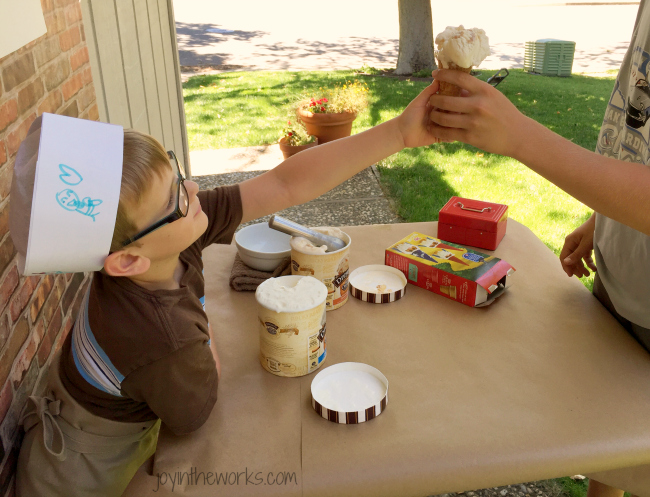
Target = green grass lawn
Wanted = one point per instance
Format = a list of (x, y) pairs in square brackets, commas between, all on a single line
[(230, 110)]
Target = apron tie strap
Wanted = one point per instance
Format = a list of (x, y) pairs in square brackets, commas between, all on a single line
[(46, 410)]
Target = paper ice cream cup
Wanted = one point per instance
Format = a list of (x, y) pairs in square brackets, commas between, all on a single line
[(332, 268), (292, 326)]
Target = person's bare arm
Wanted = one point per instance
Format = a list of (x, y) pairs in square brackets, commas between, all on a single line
[(485, 118), (314, 171)]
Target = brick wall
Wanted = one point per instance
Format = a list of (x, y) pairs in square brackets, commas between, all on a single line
[(50, 74)]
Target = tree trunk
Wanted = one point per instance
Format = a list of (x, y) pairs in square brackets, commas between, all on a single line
[(415, 37)]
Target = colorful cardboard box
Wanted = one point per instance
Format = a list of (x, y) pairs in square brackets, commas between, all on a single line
[(450, 270), (473, 222)]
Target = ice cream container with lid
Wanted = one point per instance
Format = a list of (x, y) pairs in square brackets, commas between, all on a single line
[(332, 268), (292, 324)]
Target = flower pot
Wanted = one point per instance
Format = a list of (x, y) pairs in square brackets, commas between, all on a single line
[(327, 127), (289, 150)]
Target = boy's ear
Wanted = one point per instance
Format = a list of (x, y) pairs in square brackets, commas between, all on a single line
[(124, 263)]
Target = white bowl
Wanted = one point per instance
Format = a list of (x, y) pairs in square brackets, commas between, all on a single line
[(261, 247)]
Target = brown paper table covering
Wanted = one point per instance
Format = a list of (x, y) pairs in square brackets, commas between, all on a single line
[(541, 384)]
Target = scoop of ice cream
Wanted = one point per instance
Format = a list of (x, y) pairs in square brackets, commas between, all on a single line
[(463, 47), (306, 247), (291, 293)]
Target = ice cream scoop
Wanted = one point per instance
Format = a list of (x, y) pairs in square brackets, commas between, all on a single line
[(460, 49), (294, 229)]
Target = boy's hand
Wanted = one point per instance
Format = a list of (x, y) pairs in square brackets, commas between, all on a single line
[(482, 117), (577, 248), (414, 120)]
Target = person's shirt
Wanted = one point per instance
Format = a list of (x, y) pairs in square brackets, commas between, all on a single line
[(622, 253), (135, 354)]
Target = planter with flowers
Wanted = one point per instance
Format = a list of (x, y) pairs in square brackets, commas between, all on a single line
[(295, 139), (330, 116)]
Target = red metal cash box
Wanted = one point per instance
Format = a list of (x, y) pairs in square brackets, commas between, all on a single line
[(473, 222)]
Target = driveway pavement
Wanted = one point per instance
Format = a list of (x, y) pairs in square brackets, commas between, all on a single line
[(341, 34)]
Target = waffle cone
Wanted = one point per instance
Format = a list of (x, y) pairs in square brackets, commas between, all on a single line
[(448, 88)]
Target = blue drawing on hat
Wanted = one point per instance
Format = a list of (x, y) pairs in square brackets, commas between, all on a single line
[(69, 200), (69, 176)]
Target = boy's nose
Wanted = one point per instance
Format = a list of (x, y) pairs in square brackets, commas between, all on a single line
[(191, 187)]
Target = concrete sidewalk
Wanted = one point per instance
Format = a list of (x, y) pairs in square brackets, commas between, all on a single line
[(258, 35)]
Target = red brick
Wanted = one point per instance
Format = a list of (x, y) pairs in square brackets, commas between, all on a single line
[(24, 361), (5, 329), (28, 96), (50, 337), (51, 103), (72, 86), (64, 334), (52, 302), (6, 396), (21, 298), (6, 174), (87, 76), (73, 13), (69, 39), (40, 295), (47, 6), (16, 137), (4, 221), (79, 58), (55, 22), (63, 3), (39, 330), (8, 113), (93, 113), (8, 286), (56, 74), (46, 50), (14, 344), (19, 71), (7, 252), (71, 110), (86, 97), (3, 152)]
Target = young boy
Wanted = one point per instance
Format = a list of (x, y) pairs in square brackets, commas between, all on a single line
[(614, 181), (142, 350)]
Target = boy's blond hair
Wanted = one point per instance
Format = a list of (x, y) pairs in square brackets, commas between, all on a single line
[(144, 156)]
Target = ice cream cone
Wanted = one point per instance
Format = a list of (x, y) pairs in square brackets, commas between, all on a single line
[(450, 89)]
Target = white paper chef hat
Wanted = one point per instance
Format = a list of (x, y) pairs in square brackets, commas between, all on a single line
[(64, 194)]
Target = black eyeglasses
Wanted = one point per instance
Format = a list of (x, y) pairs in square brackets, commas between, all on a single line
[(182, 202)]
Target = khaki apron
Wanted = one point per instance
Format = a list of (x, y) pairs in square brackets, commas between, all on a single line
[(68, 451)]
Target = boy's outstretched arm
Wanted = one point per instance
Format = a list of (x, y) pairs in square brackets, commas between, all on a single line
[(312, 172), (485, 118)]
